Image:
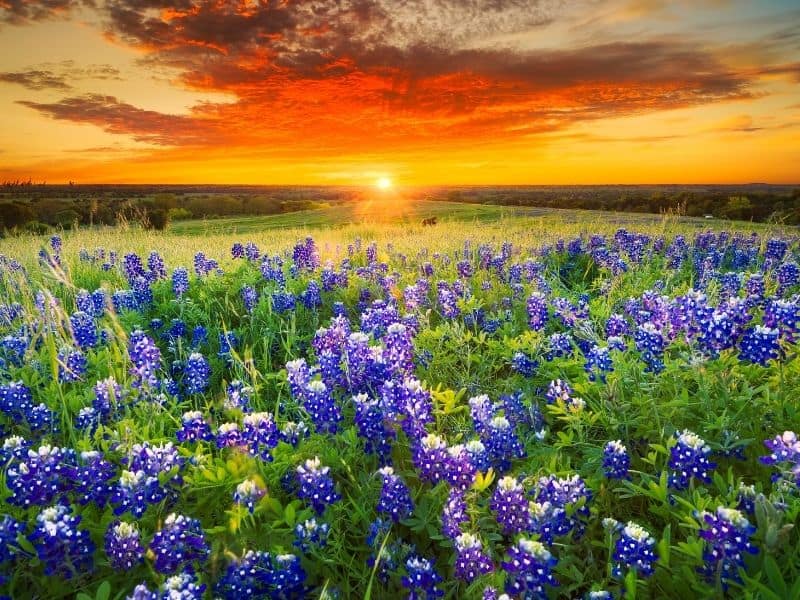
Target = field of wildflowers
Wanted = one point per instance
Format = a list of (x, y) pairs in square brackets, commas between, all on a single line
[(516, 410)]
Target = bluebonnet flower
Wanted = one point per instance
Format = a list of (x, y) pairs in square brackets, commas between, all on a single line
[(553, 497), (430, 458), (248, 493), (776, 249), (369, 420), (537, 311), (305, 255), (107, 395), (237, 250), (688, 460), (238, 396), (524, 365), (63, 548), (197, 373), (135, 491), (510, 506), (478, 455), (529, 569), (146, 359), (421, 579), (784, 454), (311, 297), (471, 561), (228, 341), (180, 543), (650, 343), (598, 363), (194, 428), (260, 434), (558, 391), (783, 315), (320, 405), (634, 549), (548, 520), (249, 297), (123, 546), (93, 477), (310, 535), (199, 336), (292, 432), (727, 534), (395, 499), (454, 514), (72, 365), (84, 330), (42, 476), (229, 436), (482, 411), (502, 443), (56, 243), (316, 485), (460, 472), (283, 301), (262, 575), (558, 344), (87, 419), (616, 461), (16, 399), (10, 529)]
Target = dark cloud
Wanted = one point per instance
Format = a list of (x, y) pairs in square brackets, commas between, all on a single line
[(386, 72), (36, 80), (23, 11), (119, 117)]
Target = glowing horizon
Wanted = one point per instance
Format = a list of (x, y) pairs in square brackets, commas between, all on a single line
[(434, 92)]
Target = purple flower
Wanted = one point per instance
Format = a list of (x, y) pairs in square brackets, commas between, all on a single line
[(72, 365), (502, 443), (260, 434), (84, 329), (229, 436), (759, 345), (471, 561), (146, 359), (180, 281), (616, 461), (123, 546), (316, 485), (249, 297), (510, 506), (194, 428), (454, 514), (634, 549), (63, 548), (689, 460), (322, 408), (395, 499), (431, 459), (178, 544), (248, 493), (529, 569), (421, 579), (310, 535), (537, 311), (727, 535), (785, 454), (196, 374)]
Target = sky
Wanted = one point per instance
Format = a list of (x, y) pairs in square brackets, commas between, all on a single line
[(418, 92)]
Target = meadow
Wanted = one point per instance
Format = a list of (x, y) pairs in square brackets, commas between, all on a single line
[(519, 402)]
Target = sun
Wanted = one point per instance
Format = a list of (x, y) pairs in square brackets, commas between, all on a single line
[(384, 183)]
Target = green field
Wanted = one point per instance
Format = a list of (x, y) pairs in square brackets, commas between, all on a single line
[(413, 212)]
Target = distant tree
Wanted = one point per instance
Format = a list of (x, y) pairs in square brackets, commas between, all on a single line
[(157, 219), (738, 207)]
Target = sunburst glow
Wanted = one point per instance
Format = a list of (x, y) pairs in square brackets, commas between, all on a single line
[(384, 183)]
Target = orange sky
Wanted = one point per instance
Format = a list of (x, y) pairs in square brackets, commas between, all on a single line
[(422, 92)]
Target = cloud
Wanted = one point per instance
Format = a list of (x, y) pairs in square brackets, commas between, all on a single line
[(36, 80), (376, 74), (18, 12), (119, 117)]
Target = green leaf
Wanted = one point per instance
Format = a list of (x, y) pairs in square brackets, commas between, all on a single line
[(289, 514), (774, 576), (104, 591)]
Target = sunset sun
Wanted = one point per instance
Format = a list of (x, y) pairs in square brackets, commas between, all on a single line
[(384, 183)]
